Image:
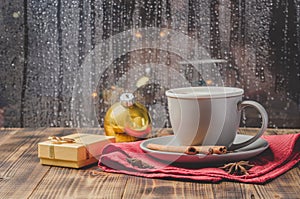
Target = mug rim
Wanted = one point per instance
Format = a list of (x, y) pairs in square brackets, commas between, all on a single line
[(204, 92)]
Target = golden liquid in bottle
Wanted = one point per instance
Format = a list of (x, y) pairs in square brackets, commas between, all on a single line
[(127, 124)]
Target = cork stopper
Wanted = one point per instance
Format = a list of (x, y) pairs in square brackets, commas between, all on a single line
[(127, 99)]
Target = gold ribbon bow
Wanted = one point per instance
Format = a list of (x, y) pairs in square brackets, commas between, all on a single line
[(60, 140)]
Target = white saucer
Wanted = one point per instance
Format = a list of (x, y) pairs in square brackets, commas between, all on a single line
[(240, 154)]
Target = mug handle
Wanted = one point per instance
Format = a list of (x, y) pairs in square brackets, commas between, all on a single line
[(264, 125)]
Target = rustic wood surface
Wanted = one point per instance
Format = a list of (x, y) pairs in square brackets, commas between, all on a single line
[(22, 176)]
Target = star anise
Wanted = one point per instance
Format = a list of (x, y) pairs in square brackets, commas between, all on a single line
[(139, 163), (237, 168)]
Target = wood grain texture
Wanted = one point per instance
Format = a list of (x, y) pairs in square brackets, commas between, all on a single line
[(270, 131), (7, 134), (228, 190), (285, 186), (20, 171), (21, 175), (72, 183)]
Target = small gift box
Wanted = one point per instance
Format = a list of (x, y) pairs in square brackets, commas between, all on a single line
[(75, 150)]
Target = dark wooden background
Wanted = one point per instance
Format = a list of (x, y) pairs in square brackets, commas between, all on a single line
[(43, 45)]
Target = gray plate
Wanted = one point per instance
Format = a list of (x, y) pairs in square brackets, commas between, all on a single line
[(244, 153)]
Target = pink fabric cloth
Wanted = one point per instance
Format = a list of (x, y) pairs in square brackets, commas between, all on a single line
[(282, 154)]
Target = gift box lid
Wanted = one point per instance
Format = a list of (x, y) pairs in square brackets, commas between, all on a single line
[(84, 147)]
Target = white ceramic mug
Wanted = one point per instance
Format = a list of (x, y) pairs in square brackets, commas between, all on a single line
[(210, 115)]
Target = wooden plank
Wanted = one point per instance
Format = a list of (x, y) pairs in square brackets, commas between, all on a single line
[(64, 182), (11, 59), (72, 183), (19, 161), (138, 187), (269, 131), (197, 190), (19, 165), (227, 190), (234, 190), (13, 144), (7, 131), (249, 191), (285, 186), (6, 134), (284, 131), (20, 170)]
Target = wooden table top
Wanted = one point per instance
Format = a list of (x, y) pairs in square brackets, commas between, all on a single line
[(22, 176)]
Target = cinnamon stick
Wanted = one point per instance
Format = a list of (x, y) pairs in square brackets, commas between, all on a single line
[(219, 149), (190, 150)]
